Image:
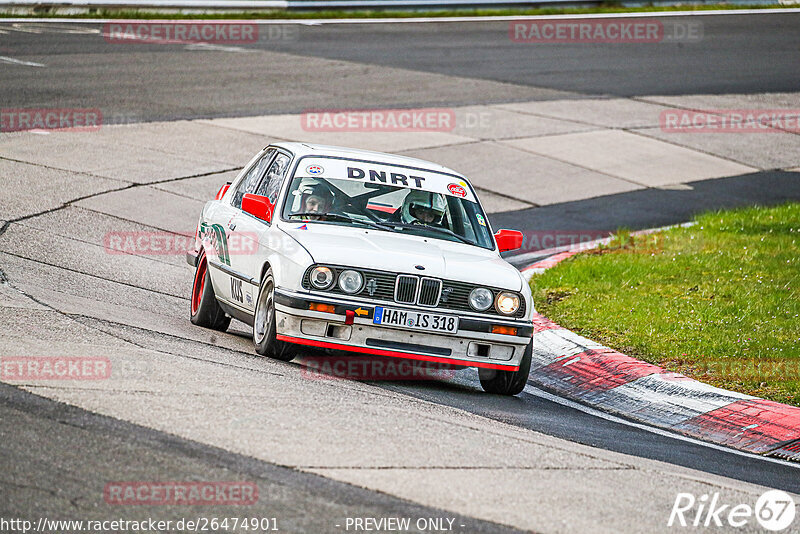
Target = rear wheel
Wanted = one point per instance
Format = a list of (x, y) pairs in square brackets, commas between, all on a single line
[(264, 324), (508, 382), (204, 310)]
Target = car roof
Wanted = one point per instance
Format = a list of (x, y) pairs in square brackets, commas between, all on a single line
[(308, 149)]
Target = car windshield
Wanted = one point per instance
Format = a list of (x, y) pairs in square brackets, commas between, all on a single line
[(349, 197)]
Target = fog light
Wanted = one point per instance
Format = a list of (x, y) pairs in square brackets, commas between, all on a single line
[(327, 308)]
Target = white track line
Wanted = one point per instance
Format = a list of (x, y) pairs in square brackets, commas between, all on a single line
[(418, 20), (533, 390), (4, 59)]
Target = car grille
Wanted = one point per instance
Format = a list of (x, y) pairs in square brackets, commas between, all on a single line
[(410, 289), (406, 289), (429, 292)]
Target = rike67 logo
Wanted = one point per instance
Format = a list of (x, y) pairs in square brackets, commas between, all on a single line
[(773, 511)]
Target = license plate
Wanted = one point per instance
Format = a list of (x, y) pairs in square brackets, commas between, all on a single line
[(431, 322)]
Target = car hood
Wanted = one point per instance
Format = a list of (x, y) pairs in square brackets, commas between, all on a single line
[(394, 252)]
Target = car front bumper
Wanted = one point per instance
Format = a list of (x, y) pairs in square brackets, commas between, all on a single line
[(474, 345)]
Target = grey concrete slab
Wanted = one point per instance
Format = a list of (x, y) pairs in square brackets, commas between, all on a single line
[(11, 298), (167, 317), (202, 188), (151, 207), (92, 228), (112, 301), (533, 178), (605, 112), (80, 293), (29, 188), (493, 203), (635, 158), (94, 260), (504, 121), (292, 127), (767, 150), (156, 167), (188, 139), (88, 152), (24, 333), (76, 453), (621, 499), (754, 99)]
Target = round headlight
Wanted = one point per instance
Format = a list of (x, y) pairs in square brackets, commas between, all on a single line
[(507, 303), (480, 299), (350, 281), (321, 277)]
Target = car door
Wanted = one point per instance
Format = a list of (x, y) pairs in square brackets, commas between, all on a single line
[(224, 268), (250, 231)]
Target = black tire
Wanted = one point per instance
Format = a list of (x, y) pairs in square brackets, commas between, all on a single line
[(508, 382), (264, 324), (204, 310)]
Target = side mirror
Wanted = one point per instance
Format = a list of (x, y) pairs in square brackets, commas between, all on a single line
[(508, 240), (222, 191), (258, 206)]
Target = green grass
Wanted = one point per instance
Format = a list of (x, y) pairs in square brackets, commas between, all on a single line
[(609, 7), (718, 301)]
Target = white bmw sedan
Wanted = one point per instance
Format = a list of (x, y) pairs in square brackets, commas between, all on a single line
[(364, 252)]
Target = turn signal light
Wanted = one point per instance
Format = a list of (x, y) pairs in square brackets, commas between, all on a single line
[(507, 330), (327, 308)]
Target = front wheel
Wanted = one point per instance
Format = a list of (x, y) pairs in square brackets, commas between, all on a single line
[(204, 310), (508, 382), (264, 324)]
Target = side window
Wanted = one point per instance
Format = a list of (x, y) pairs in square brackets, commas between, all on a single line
[(271, 185), (250, 180)]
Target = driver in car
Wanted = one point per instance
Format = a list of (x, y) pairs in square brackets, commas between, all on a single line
[(423, 207), (316, 199)]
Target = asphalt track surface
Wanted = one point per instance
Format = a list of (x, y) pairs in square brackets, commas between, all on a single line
[(47, 430), (143, 83)]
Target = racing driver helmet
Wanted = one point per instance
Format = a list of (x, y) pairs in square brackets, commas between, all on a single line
[(423, 207)]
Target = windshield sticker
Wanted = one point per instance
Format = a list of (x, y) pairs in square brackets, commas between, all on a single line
[(457, 190), (394, 178), (480, 219), (386, 174)]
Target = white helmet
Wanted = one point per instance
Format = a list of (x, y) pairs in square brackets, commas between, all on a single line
[(316, 191), (423, 207)]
